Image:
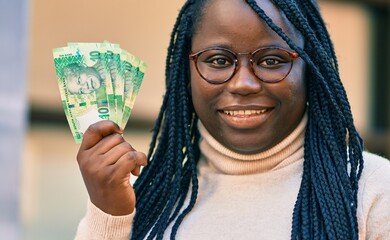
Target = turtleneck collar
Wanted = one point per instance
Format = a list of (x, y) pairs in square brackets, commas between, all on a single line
[(227, 161)]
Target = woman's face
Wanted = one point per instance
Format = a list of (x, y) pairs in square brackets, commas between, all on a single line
[(246, 114)]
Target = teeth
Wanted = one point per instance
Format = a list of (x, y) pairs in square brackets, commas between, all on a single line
[(245, 112)]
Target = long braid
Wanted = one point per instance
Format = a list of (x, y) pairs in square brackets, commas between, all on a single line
[(327, 200), (162, 223), (187, 170), (355, 149), (160, 117), (311, 9), (163, 185)]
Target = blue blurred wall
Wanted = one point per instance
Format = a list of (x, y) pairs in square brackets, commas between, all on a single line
[(13, 35)]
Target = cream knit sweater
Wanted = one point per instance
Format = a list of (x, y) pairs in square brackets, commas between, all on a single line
[(253, 196)]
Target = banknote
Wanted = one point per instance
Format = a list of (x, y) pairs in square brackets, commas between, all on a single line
[(103, 49), (117, 77), (136, 74), (95, 80)]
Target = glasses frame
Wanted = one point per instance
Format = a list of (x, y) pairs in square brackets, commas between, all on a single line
[(194, 57)]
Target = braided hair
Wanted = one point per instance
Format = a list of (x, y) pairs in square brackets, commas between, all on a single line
[(326, 205)]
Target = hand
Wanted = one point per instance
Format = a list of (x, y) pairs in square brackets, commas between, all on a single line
[(106, 161)]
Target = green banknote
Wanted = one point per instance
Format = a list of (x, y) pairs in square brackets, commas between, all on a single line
[(82, 79), (103, 49), (97, 81), (117, 77), (130, 98), (133, 79)]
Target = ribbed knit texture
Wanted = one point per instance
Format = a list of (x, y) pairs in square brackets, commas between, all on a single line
[(229, 162), (98, 225), (253, 196)]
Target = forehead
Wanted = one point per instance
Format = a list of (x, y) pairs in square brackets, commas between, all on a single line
[(234, 21)]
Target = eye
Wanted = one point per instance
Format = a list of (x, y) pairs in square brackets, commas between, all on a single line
[(219, 61), (271, 62), (271, 58)]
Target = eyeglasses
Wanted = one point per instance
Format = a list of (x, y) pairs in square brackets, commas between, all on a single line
[(218, 65)]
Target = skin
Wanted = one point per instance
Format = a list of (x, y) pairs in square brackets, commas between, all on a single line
[(106, 159), (235, 26), (83, 84)]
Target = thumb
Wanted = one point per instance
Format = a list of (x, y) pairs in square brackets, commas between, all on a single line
[(97, 131)]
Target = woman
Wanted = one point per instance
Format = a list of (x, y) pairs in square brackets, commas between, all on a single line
[(274, 154)]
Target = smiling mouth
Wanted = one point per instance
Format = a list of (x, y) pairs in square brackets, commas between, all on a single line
[(244, 113)]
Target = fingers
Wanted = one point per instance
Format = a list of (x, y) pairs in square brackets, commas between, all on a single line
[(109, 142), (97, 131), (103, 147), (130, 162), (115, 153)]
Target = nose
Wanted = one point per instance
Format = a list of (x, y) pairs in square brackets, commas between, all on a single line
[(244, 82)]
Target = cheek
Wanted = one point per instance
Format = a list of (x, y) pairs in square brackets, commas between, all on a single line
[(195, 87), (200, 94), (297, 84), (204, 95), (297, 94), (198, 88)]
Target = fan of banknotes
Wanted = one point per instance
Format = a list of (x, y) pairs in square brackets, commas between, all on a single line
[(97, 81)]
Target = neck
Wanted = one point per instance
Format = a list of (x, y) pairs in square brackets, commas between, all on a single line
[(227, 161)]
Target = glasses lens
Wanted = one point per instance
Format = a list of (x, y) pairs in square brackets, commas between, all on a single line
[(216, 65), (271, 64)]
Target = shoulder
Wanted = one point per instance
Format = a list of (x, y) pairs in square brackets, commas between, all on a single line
[(375, 166), (374, 197), (376, 173), (375, 180)]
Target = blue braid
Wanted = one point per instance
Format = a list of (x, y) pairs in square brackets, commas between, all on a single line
[(327, 200), (331, 186), (163, 185)]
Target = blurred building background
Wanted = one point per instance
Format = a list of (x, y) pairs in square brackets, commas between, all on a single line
[(42, 195)]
